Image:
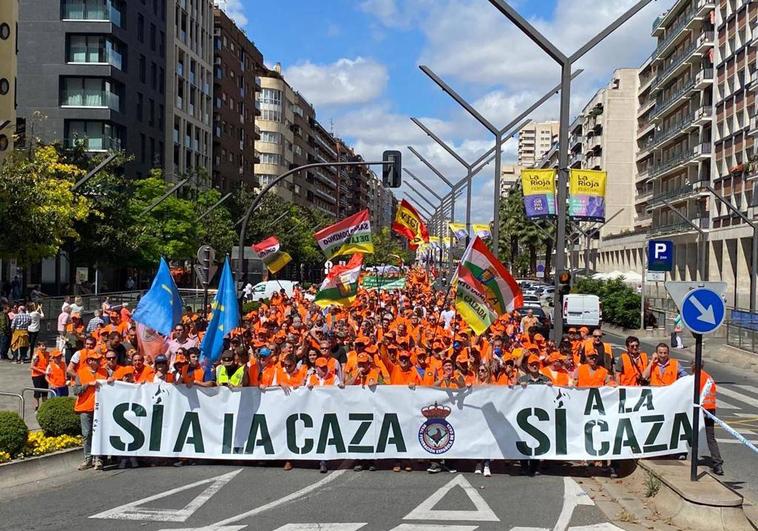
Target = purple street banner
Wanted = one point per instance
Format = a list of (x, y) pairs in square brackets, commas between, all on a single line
[(587, 195), (539, 192)]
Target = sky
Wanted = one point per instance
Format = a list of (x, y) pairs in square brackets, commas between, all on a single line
[(357, 62)]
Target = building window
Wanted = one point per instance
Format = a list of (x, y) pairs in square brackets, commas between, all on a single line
[(142, 68), (271, 158), (271, 137), (94, 49), (265, 178), (271, 116), (271, 97), (90, 92), (92, 135), (111, 10)]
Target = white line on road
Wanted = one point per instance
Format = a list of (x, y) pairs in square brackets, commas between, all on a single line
[(606, 526), (433, 527), (133, 511), (748, 388), (573, 496), (426, 510), (737, 396), (224, 524), (321, 527), (734, 441)]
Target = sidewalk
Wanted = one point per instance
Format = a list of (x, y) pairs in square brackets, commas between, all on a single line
[(13, 379)]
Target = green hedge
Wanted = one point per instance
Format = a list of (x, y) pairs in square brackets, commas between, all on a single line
[(621, 303), (56, 417), (13, 432)]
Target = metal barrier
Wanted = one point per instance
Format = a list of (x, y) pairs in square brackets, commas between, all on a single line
[(742, 337), (20, 399)]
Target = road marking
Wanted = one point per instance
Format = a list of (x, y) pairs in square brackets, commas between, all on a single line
[(133, 511), (605, 526), (433, 527), (737, 396), (321, 527), (573, 496), (223, 525), (426, 510), (725, 405), (748, 388), (734, 441)]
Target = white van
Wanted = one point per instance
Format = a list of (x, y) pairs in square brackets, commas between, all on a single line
[(582, 310), (264, 290)]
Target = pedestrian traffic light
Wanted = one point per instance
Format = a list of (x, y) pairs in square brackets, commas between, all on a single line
[(564, 283), (392, 173)]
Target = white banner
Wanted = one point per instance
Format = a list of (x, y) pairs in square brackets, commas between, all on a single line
[(393, 422)]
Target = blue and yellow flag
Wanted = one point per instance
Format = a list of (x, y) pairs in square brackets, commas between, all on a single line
[(224, 318), (161, 307)]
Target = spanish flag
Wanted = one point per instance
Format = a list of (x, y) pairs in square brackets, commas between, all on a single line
[(268, 251), (408, 223)]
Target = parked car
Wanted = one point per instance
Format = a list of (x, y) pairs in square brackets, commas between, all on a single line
[(264, 290), (531, 300)]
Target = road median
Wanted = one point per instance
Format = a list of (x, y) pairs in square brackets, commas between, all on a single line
[(39, 469)]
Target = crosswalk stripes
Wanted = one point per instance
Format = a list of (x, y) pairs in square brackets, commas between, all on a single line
[(740, 397)]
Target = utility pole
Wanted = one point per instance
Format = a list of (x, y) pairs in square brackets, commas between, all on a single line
[(566, 63)]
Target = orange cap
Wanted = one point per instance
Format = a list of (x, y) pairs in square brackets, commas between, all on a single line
[(555, 356), (532, 359), (56, 353), (95, 355), (363, 358)]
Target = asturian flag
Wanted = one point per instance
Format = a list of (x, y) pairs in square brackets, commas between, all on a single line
[(341, 284), (225, 316), (161, 307), (269, 252), (408, 223)]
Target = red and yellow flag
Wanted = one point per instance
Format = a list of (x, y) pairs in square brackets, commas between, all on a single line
[(269, 251), (408, 223)]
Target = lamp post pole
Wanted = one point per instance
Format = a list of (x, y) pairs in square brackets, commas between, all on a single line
[(565, 62)]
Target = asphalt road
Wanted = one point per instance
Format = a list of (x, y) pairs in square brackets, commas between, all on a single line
[(268, 498), (737, 405)]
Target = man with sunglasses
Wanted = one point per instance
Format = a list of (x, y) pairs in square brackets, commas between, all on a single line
[(596, 345), (630, 365)]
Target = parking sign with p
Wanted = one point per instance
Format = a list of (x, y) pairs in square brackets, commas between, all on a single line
[(660, 255)]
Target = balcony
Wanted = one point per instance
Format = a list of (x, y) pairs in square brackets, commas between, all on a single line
[(674, 162), (701, 152), (704, 78), (666, 105), (645, 195), (577, 158), (753, 125), (257, 134), (699, 12), (704, 41), (326, 196), (657, 27), (674, 64), (703, 115), (679, 228), (673, 130), (94, 144)]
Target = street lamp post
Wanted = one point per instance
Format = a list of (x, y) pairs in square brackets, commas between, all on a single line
[(566, 62)]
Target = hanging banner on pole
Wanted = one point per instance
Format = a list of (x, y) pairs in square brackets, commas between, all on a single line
[(539, 192), (587, 195), (393, 422)]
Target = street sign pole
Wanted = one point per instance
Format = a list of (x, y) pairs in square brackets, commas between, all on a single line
[(696, 406)]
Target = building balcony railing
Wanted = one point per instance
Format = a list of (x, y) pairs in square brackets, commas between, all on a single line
[(704, 78), (94, 144), (673, 130), (665, 105), (674, 32), (753, 125), (703, 115), (679, 228), (664, 166), (674, 63)]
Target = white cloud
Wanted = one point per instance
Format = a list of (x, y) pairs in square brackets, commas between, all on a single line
[(344, 82), (234, 9)]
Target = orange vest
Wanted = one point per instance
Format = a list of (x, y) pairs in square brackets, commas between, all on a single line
[(295, 379), (401, 377), (40, 364), (57, 373), (196, 375), (669, 376), (146, 375), (585, 378), (709, 400), (630, 374), (559, 378), (371, 378), (315, 381), (85, 402)]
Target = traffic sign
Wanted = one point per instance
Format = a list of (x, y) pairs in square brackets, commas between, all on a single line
[(540, 269), (703, 311), (660, 255), (206, 253)]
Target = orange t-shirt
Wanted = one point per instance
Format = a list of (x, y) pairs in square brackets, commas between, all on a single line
[(296, 379), (40, 363), (56, 373), (85, 402), (195, 375), (146, 375), (560, 378)]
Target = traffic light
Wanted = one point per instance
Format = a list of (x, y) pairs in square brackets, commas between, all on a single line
[(392, 173), (564, 283)]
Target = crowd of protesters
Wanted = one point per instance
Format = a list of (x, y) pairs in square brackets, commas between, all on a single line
[(413, 337)]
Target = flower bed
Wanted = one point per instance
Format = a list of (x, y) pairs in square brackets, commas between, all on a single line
[(38, 444)]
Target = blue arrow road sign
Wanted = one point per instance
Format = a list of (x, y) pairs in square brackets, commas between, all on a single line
[(703, 311)]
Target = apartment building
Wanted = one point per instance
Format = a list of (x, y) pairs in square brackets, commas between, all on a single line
[(237, 63), (734, 166), (509, 176), (8, 51), (320, 187), (91, 73), (189, 89), (534, 140)]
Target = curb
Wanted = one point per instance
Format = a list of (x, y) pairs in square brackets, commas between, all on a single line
[(40, 468), (706, 505)]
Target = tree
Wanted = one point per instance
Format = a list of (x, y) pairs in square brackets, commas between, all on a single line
[(518, 234), (387, 247), (38, 210)]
